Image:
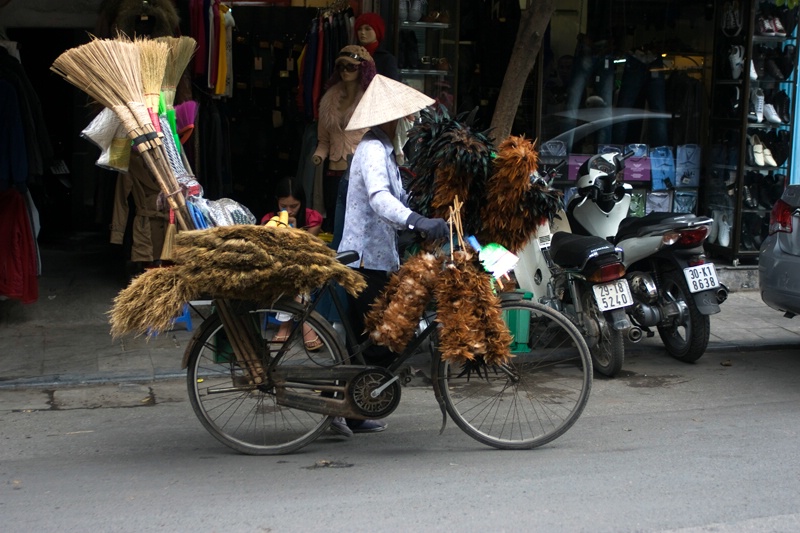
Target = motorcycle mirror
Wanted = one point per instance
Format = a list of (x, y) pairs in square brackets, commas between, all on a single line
[(619, 159)]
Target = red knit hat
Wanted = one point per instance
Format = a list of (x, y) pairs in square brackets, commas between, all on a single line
[(375, 21)]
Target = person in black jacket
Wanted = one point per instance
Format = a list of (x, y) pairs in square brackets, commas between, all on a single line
[(370, 30)]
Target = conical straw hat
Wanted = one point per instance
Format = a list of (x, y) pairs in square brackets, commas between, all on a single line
[(386, 100)]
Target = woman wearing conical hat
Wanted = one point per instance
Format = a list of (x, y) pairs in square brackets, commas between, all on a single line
[(376, 207)]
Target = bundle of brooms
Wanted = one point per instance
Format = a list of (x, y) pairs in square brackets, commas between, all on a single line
[(242, 262), (110, 72)]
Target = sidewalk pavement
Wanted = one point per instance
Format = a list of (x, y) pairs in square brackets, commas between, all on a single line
[(63, 339)]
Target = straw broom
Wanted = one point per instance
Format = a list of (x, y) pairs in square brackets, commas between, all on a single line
[(181, 51), (169, 238), (109, 71), (153, 58)]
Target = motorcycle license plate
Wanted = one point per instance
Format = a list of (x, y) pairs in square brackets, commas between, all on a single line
[(701, 277), (613, 295)]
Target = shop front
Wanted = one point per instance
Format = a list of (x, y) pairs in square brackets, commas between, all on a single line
[(702, 91)]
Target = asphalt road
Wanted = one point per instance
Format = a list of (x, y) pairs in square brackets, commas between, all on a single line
[(665, 447)]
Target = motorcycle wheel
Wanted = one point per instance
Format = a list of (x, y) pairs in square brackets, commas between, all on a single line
[(608, 353), (684, 341)]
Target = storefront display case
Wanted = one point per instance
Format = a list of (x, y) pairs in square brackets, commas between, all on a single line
[(426, 47), (751, 125)]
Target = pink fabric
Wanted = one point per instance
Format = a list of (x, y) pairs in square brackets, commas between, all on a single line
[(637, 169), (575, 161)]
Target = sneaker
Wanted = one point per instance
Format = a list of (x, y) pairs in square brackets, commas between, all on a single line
[(415, 9), (724, 233), (771, 114), (731, 19), (777, 27), (764, 27), (402, 10), (736, 58), (758, 103), (714, 229), (753, 72)]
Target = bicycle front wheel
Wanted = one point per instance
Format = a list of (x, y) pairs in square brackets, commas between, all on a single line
[(533, 399), (246, 416)]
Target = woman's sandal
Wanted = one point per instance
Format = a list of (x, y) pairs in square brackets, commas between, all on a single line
[(283, 333), (311, 339)]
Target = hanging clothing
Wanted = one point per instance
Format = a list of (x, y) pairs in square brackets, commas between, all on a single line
[(18, 258), (149, 224)]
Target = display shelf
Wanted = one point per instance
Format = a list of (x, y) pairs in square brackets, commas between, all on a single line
[(737, 191)]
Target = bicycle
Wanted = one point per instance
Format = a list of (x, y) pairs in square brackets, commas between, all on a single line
[(262, 397)]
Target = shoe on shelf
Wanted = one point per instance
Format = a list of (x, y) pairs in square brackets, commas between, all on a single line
[(724, 235), (402, 10), (769, 161), (753, 73), (781, 104), (758, 151), (714, 229), (415, 9), (771, 115), (773, 70), (777, 27), (731, 19), (764, 27), (736, 58), (757, 98)]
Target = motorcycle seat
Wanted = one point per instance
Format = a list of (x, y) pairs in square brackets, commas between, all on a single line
[(656, 223), (569, 250)]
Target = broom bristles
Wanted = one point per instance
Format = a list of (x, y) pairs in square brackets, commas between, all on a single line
[(153, 57), (181, 51)]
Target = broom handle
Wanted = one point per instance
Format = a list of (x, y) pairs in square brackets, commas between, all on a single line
[(241, 341), (172, 198)]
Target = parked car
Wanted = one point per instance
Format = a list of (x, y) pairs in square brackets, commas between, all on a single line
[(779, 257)]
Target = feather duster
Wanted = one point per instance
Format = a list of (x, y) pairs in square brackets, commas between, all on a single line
[(394, 316), (468, 310), (449, 158), (514, 208), (242, 262)]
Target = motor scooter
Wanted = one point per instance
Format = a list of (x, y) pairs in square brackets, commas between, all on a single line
[(582, 277), (674, 289)]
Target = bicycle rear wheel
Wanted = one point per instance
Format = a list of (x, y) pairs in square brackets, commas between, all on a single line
[(533, 399), (244, 416)]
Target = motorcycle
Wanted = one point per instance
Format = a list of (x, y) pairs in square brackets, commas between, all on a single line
[(583, 277), (674, 289)]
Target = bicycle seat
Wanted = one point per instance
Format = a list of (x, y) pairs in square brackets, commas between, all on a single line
[(347, 257)]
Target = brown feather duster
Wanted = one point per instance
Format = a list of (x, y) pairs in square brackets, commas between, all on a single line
[(462, 303), (394, 316), (242, 262), (514, 209)]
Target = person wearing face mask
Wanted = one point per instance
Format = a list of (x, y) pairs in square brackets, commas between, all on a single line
[(370, 30), (354, 71), (377, 209)]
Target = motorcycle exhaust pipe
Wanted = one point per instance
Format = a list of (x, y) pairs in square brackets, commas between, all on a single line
[(635, 334), (722, 294)]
